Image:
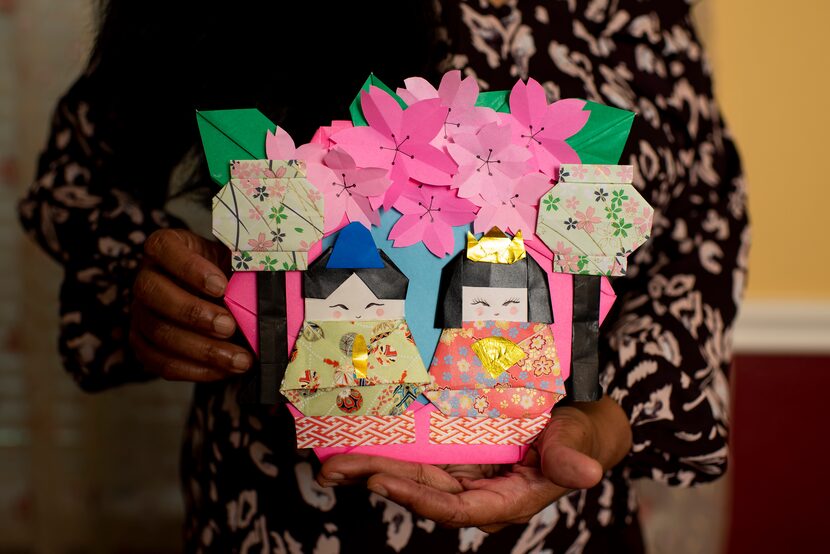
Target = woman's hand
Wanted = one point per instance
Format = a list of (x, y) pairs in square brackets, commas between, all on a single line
[(178, 331), (579, 444)]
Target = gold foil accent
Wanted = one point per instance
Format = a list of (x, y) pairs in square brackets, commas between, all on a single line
[(360, 356), (495, 247), (497, 354)]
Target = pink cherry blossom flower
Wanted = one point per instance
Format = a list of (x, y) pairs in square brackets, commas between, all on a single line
[(429, 214), (631, 207), (643, 221), (346, 190), (276, 189), (399, 140), (260, 244), (543, 128), (579, 172), (565, 261), (254, 214), (487, 162), (248, 186), (458, 96), (626, 173), (241, 170), (516, 208), (313, 195), (587, 220), (601, 170), (280, 146), (572, 203)]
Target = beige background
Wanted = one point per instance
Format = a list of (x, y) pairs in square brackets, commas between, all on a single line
[(771, 60)]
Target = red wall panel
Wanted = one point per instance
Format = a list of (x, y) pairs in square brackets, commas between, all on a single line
[(780, 454)]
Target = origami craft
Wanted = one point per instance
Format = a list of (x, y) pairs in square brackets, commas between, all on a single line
[(418, 169), (355, 354), (462, 440), (592, 220), (269, 215), (497, 356)]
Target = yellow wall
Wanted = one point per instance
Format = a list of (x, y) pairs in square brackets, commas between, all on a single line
[(772, 76)]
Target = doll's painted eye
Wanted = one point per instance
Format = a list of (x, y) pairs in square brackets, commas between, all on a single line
[(372, 305), (480, 301), (341, 306), (511, 301)]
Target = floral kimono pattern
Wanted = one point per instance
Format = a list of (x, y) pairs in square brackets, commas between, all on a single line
[(331, 374), (460, 385)]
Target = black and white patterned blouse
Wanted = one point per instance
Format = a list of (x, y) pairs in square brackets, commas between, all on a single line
[(665, 348)]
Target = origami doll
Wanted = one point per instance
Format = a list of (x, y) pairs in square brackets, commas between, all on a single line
[(496, 356), (355, 354)]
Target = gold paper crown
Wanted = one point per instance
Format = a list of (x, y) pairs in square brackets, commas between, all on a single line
[(495, 247)]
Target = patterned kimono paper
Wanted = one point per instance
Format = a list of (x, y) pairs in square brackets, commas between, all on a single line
[(324, 375), (461, 385), (593, 219), (422, 433), (269, 215)]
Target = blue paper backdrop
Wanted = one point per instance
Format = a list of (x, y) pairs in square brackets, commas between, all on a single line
[(424, 271)]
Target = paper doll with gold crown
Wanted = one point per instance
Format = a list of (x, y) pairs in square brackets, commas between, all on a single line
[(355, 354), (496, 357)]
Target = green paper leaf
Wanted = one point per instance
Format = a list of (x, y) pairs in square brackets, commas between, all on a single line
[(602, 139), (357, 113), (232, 135), (498, 100)]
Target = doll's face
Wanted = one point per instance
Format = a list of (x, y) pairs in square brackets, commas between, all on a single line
[(493, 304), (353, 301)]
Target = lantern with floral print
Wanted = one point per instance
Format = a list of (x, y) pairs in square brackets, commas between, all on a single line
[(592, 220)]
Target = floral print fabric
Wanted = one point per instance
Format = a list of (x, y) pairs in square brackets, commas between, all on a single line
[(321, 378), (269, 215), (665, 348), (593, 219), (461, 387)]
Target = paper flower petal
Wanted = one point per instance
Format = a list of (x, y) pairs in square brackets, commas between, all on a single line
[(429, 213), (364, 145), (422, 120), (528, 103), (280, 145), (565, 118), (457, 92), (382, 112), (417, 88)]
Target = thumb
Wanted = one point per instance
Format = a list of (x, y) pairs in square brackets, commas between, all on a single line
[(566, 449)]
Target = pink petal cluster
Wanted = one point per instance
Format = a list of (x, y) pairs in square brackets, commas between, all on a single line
[(441, 162), (515, 207), (399, 140), (347, 190), (542, 128), (488, 162), (458, 96), (429, 214), (280, 146)]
